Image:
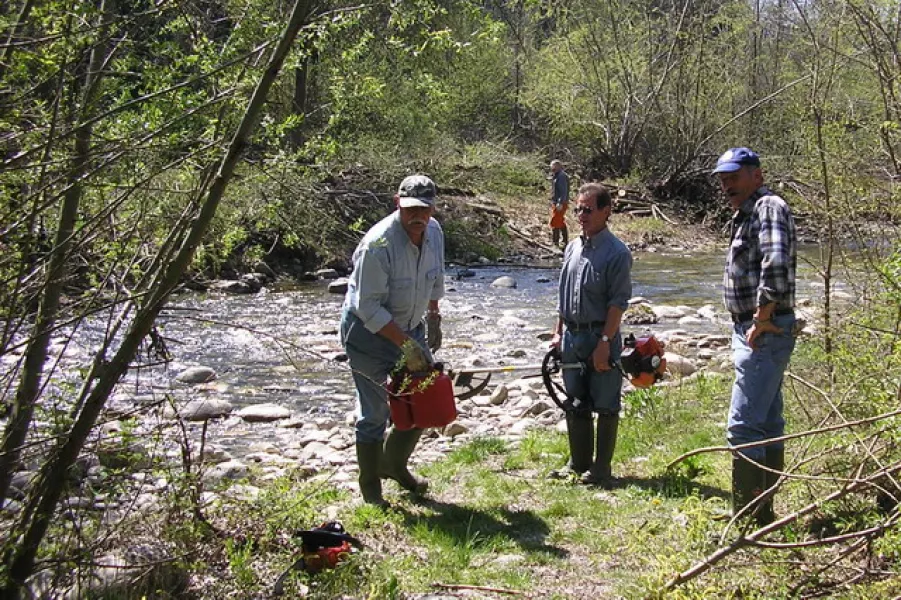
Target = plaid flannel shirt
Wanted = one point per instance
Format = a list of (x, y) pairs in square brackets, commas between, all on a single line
[(762, 257)]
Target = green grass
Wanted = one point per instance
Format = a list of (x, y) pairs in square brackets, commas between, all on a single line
[(494, 519)]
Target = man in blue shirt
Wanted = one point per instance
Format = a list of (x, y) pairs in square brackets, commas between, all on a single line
[(595, 287), (398, 277), (759, 292)]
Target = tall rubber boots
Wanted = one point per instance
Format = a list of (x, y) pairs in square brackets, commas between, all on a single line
[(564, 232), (369, 459), (775, 459), (580, 432), (601, 472), (398, 448), (556, 235), (748, 482)]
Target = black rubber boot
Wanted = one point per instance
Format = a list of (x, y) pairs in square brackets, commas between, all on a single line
[(775, 459), (556, 235), (369, 458), (748, 482), (398, 448), (580, 432), (601, 472), (565, 235)]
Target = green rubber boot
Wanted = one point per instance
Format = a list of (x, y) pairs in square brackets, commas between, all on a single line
[(775, 459), (601, 472), (580, 433), (369, 457), (748, 482), (398, 448)]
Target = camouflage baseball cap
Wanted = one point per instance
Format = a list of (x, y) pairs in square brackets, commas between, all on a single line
[(416, 190)]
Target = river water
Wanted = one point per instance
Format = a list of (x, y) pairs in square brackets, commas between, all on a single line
[(279, 346)]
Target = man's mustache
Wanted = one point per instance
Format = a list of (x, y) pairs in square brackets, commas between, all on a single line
[(418, 222)]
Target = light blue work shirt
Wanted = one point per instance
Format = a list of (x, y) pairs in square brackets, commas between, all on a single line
[(596, 275), (392, 278)]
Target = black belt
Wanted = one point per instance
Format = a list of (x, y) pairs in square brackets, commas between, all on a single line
[(748, 316), (573, 326)]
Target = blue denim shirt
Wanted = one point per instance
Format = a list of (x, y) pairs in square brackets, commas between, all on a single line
[(596, 275), (560, 188), (392, 278)]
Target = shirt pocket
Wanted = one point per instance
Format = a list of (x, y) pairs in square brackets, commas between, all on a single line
[(739, 254), (401, 283)]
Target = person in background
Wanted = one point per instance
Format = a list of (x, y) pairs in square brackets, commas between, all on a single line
[(398, 278), (559, 202), (594, 291), (759, 292)]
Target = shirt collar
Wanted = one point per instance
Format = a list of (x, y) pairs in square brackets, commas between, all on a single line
[(748, 205), (595, 240)]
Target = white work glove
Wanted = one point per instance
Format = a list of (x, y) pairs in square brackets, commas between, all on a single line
[(414, 357), (433, 331)]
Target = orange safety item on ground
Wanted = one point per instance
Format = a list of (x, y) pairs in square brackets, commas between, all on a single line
[(642, 360), (421, 401)]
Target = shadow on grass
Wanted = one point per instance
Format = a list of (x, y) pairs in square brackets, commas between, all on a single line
[(522, 527), (673, 486)]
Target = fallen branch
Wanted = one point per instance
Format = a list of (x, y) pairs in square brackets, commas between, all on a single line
[(655, 209), (753, 538), (481, 588), (512, 228), (790, 436)]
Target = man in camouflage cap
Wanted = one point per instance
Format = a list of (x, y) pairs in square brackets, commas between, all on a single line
[(398, 278)]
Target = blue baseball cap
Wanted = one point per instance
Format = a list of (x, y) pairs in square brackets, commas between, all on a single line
[(735, 158)]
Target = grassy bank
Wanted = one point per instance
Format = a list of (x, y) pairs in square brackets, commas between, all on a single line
[(496, 525)]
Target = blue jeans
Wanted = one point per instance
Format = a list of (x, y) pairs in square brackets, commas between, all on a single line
[(372, 358), (602, 390), (755, 413)]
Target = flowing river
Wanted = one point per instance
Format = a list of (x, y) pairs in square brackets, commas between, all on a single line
[(280, 347)]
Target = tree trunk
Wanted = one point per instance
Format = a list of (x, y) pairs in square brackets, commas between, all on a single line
[(46, 493)]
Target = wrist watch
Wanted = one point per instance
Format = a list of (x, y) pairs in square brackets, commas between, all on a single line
[(605, 338)]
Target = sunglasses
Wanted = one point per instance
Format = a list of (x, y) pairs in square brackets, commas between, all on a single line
[(583, 210)]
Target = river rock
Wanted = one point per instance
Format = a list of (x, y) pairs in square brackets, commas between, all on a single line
[(499, 395), (230, 470), (327, 274), (338, 286), (232, 286), (671, 312), (216, 454), (141, 570), (454, 429), (510, 321), (206, 408), (640, 314), (196, 375), (691, 320), (708, 311), (543, 280), (262, 413), (504, 282), (706, 354), (679, 365), (538, 408)]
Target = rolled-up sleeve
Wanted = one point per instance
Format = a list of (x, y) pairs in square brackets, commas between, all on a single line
[(775, 249), (619, 274), (369, 288)]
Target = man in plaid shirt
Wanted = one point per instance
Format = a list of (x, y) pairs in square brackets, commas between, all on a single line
[(759, 292)]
